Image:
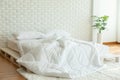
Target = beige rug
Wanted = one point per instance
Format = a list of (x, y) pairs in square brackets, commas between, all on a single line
[(110, 72)]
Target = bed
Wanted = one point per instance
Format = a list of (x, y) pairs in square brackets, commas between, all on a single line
[(12, 49), (112, 72), (12, 53)]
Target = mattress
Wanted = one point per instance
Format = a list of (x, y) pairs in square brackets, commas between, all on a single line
[(12, 44)]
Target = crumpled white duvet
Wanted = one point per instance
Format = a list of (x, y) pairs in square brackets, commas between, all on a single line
[(61, 57), (110, 72)]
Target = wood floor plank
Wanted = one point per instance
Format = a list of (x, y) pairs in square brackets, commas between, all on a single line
[(8, 70), (114, 48)]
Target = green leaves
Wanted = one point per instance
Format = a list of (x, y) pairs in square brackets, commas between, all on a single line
[(105, 18), (100, 22)]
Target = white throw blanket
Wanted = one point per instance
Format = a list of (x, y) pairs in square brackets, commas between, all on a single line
[(60, 57)]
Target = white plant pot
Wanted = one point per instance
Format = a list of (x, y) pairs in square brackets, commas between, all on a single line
[(99, 38)]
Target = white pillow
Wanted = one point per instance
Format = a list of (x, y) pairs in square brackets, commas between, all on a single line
[(28, 35), (26, 45), (57, 34)]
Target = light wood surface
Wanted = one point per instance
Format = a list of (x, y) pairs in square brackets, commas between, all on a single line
[(8, 70), (114, 48)]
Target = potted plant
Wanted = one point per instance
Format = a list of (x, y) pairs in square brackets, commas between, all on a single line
[(100, 23)]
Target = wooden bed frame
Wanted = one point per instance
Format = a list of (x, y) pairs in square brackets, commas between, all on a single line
[(12, 56)]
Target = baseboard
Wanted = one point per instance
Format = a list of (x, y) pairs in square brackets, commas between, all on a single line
[(111, 42)]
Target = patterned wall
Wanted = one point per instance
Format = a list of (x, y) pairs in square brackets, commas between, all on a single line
[(73, 16)]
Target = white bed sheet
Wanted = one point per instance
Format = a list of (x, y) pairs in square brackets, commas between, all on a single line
[(12, 44)]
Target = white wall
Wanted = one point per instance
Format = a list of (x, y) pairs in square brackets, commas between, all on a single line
[(107, 7), (118, 22), (73, 16)]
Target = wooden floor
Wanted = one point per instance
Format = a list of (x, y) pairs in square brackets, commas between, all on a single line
[(114, 48), (8, 70)]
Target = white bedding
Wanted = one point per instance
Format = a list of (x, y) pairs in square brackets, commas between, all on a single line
[(12, 44), (28, 35), (60, 57), (110, 72)]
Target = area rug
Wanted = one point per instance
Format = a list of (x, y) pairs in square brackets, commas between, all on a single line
[(111, 71)]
